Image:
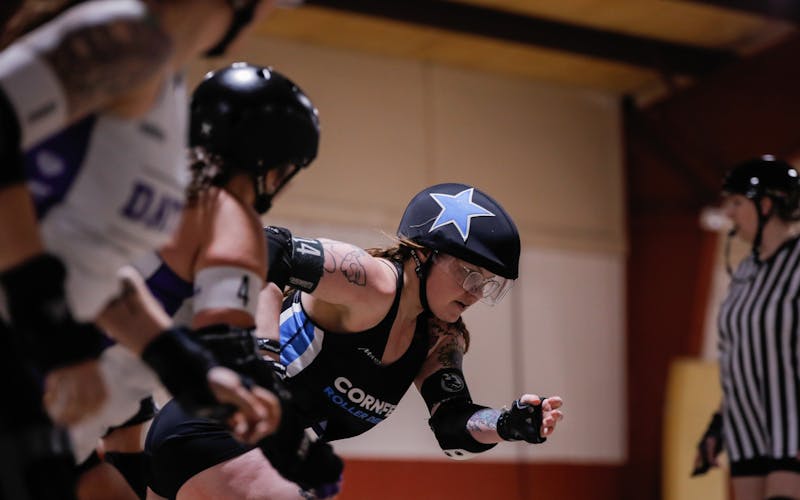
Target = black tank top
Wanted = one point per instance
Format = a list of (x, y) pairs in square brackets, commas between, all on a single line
[(339, 377)]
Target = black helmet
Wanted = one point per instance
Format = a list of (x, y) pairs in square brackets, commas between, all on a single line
[(755, 179), (770, 177), (465, 222), (255, 119)]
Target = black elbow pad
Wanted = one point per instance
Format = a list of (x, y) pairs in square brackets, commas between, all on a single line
[(449, 425), (446, 392), (293, 261)]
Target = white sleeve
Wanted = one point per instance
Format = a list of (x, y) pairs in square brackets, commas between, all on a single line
[(32, 87)]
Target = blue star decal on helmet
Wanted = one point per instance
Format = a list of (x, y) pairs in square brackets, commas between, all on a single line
[(458, 210)]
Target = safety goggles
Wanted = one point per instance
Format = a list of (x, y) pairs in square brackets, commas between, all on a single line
[(489, 290)]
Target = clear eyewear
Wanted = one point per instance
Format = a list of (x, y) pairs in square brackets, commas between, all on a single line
[(489, 290)]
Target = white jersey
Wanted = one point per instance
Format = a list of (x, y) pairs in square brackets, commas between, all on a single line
[(108, 190)]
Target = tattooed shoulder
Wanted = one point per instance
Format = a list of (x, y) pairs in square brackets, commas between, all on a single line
[(347, 259), (439, 329), (352, 267), (99, 62), (447, 341)]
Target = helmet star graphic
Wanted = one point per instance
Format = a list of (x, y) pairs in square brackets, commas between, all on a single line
[(458, 210)]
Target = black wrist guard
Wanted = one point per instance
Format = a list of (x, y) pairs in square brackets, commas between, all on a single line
[(238, 349), (713, 431), (268, 345), (38, 312), (279, 251), (293, 261), (183, 366), (231, 346), (521, 423), (312, 464)]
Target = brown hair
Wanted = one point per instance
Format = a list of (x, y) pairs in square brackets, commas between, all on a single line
[(206, 171), (400, 253)]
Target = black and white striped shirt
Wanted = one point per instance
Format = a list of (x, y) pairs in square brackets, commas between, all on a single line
[(759, 351)]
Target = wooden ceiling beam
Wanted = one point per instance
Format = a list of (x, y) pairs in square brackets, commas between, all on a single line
[(665, 57), (787, 10)]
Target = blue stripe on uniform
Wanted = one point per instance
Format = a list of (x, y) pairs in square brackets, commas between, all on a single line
[(53, 165), (297, 333), (170, 289)]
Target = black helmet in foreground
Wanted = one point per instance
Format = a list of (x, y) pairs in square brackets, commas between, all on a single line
[(254, 119)]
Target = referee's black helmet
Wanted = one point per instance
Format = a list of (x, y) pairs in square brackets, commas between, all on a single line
[(767, 176)]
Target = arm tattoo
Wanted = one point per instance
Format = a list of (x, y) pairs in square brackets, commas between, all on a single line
[(483, 420), (351, 266), (330, 252), (353, 269), (449, 352), (99, 62)]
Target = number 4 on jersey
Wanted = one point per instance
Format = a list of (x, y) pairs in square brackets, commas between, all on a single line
[(244, 290)]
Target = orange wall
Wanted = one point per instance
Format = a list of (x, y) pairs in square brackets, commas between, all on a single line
[(466, 480)]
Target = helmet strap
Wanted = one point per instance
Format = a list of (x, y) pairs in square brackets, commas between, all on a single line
[(263, 200), (284, 182), (421, 270), (728, 267), (762, 221), (243, 11), (756, 249)]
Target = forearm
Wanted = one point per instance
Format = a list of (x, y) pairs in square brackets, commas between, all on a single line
[(134, 318), (270, 300), (482, 426), (529, 418), (18, 224)]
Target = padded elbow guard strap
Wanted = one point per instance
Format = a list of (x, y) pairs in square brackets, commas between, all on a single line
[(447, 389), (293, 261)]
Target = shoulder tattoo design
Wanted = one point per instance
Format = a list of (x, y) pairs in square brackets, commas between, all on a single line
[(99, 62), (330, 258), (353, 269), (349, 261), (449, 351)]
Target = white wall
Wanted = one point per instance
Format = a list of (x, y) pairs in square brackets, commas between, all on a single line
[(551, 156)]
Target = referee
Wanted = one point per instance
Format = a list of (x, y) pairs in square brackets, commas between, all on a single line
[(758, 422)]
